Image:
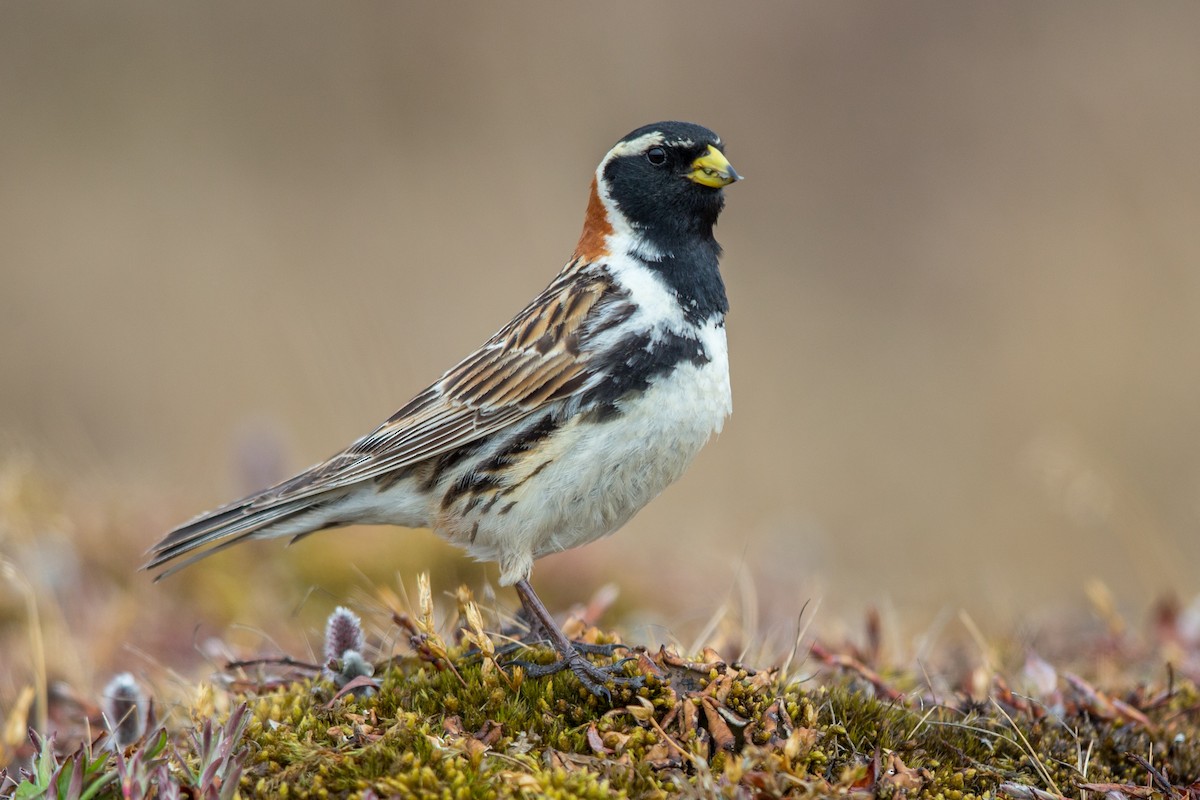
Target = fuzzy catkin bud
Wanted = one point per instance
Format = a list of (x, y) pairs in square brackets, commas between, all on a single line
[(343, 633), (353, 665), (125, 709)]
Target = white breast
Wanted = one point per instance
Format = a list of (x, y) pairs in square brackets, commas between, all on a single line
[(602, 473)]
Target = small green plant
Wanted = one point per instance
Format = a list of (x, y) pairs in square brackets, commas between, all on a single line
[(144, 773), (219, 757), (78, 776)]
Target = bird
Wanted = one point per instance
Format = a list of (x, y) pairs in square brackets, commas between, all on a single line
[(564, 424)]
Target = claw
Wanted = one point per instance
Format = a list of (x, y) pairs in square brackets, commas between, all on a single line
[(533, 670), (595, 679)]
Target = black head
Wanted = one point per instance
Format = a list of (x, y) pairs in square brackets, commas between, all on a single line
[(666, 180)]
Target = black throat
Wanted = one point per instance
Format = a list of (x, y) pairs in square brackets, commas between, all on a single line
[(673, 217), (689, 267)]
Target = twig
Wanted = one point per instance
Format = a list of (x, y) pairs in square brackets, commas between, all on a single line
[(854, 665), (277, 661), (1158, 777)]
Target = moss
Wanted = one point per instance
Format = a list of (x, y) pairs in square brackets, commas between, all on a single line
[(473, 733), (427, 729), (447, 722)]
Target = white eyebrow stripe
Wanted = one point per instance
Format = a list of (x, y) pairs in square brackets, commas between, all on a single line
[(623, 237), (633, 146)]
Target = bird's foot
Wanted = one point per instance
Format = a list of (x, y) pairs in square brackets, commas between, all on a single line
[(530, 639), (606, 650), (595, 678)]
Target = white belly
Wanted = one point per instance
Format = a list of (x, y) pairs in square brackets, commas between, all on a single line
[(602, 473)]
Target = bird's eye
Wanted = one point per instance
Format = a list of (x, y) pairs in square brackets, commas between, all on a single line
[(656, 156)]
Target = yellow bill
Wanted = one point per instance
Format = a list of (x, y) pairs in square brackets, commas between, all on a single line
[(713, 169)]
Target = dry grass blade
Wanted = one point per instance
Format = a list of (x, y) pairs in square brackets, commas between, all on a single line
[(1029, 750), (37, 647)]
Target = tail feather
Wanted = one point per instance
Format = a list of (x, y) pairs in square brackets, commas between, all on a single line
[(250, 518)]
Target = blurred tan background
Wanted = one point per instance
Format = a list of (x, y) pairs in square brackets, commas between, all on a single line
[(963, 268)]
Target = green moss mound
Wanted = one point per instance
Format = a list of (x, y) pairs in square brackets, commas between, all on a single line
[(706, 729), (463, 720)]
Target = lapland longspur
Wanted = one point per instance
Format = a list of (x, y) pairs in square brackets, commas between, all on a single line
[(569, 420)]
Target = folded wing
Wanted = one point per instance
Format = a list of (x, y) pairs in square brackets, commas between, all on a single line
[(539, 358)]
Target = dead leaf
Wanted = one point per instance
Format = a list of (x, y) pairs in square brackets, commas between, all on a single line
[(595, 742), (490, 733), (722, 736), (1127, 789), (903, 778), (663, 756)]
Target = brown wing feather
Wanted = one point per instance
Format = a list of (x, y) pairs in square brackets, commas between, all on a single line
[(532, 361)]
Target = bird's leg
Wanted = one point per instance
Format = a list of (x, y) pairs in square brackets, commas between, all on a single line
[(527, 633), (538, 633), (591, 676)]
